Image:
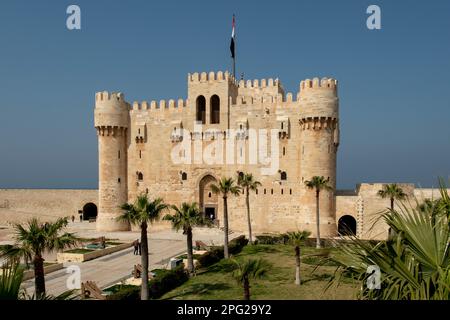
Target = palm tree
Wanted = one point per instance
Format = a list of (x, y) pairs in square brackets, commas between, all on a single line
[(319, 184), (11, 278), (33, 240), (186, 217), (393, 192), (414, 263), (10, 281), (141, 213), (248, 182), (249, 269), (296, 239), (225, 187)]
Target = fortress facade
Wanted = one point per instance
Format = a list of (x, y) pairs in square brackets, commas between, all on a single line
[(142, 148), (177, 149)]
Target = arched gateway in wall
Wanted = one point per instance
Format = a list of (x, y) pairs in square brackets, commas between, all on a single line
[(347, 226), (208, 201), (90, 211)]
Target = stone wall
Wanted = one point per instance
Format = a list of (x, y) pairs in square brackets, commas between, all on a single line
[(18, 205)]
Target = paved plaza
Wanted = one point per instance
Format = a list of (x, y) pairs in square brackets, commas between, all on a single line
[(114, 268)]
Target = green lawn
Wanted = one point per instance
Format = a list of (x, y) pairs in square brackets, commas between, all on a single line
[(79, 251), (216, 281)]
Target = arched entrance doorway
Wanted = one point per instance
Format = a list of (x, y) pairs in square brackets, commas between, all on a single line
[(347, 226), (89, 211), (208, 200)]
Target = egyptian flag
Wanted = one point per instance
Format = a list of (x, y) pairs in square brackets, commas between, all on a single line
[(232, 45)]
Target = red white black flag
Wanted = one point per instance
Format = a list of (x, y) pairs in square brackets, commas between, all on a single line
[(232, 45)]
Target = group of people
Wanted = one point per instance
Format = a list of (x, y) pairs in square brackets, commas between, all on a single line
[(137, 247), (73, 218)]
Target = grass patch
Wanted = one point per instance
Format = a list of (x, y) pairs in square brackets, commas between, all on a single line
[(79, 251), (216, 282), (113, 243)]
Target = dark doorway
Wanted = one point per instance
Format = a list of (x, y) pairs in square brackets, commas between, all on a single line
[(210, 213), (89, 211), (347, 226)]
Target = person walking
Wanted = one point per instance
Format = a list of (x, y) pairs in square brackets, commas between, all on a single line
[(136, 247), (73, 218)]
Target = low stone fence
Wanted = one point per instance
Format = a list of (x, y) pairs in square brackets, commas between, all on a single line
[(82, 257), (27, 275)]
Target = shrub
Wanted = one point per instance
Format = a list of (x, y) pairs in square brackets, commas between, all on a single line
[(125, 293), (212, 256), (235, 246), (272, 239), (216, 253), (166, 281)]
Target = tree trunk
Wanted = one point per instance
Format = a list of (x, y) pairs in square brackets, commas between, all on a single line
[(247, 200), (390, 232), (297, 263), (246, 289), (225, 227), (144, 262), (39, 277), (317, 220), (190, 257)]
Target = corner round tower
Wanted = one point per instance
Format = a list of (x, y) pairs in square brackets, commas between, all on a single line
[(112, 122), (319, 125)]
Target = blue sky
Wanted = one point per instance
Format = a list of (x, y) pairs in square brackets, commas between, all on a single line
[(394, 82)]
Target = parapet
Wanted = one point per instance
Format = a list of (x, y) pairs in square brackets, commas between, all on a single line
[(106, 96), (318, 86), (259, 84), (160, 105), (111, 110), (319, 99), (210, 77)]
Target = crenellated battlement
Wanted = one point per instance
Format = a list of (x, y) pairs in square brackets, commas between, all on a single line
[(106, 96), (210, 77), (160, 105), (318, 83), (259, 83), (276, 100), (309, 85)]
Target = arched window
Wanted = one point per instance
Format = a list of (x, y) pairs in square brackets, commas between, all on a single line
[(215, 109), (184, 176), (201, 110), (283, 175), (140, 176)]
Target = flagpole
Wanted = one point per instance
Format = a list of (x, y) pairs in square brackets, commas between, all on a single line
[(234, 46)]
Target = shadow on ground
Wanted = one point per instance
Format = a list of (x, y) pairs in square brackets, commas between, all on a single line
[(200, 288)]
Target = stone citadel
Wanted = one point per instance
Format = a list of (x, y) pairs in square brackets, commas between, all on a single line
[(177, 149), (137, 143)]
